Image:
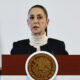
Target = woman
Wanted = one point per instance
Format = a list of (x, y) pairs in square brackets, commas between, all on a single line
[(39, 41)]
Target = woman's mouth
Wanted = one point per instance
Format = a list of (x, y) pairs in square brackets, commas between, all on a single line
[(35, 27)]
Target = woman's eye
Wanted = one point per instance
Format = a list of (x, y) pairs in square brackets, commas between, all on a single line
[(31, 17), (39, 17)]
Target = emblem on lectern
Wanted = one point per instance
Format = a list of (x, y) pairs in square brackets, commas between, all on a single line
[(41, 65)]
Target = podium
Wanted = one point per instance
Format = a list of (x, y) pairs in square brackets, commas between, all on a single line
[(15, 64), (0, 70)]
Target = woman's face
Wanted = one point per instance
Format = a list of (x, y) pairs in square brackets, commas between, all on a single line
[(37, 21)]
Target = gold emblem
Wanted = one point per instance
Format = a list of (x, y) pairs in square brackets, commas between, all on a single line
[(41, 67)]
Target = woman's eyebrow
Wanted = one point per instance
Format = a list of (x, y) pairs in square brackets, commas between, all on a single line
[(31, 15), (39, 15)]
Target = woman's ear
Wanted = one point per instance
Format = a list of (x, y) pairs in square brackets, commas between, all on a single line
[(28, 22), (48, 21)]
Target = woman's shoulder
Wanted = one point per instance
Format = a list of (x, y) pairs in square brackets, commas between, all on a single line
[(53, 40), (24, 41)]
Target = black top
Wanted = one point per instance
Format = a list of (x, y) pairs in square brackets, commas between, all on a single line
[(53, 46)]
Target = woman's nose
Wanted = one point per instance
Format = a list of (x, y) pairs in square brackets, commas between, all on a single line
[(35, 20)]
